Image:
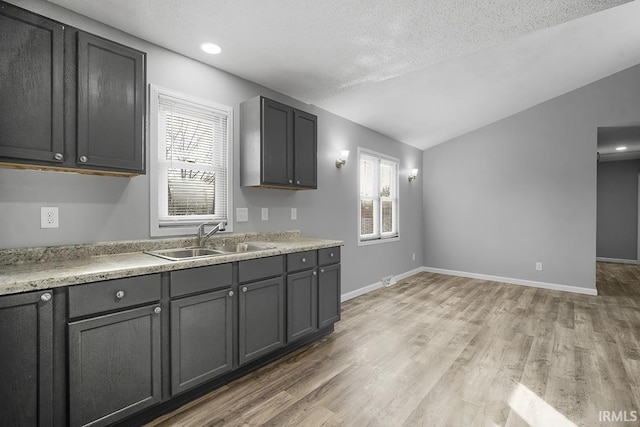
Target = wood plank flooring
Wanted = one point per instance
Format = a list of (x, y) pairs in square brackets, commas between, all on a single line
[(437, 350)]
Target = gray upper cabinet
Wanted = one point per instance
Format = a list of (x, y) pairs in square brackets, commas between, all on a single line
[(26, 360), (278, 145), (70, 100), (111, 103), (32, 80)]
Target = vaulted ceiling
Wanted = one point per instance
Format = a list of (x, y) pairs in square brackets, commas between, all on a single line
[(419, 71)]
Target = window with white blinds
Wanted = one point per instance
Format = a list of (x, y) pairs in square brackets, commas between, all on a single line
[(378, 201), (191, 159)]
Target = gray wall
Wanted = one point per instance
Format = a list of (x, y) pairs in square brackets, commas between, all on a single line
[(524, 189), (617, 226), (97, 208)]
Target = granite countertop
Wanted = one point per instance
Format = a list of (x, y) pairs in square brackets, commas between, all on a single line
[(30, 269)]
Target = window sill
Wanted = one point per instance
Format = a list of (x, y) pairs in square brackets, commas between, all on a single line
[(378, 241)]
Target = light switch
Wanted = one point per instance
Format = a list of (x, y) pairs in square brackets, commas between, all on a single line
[(242, 214)]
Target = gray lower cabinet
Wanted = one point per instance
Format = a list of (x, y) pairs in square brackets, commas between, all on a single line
[(26, 360), (328, 295), (302, 303), (114, 365), (261, 313), (201, 338)]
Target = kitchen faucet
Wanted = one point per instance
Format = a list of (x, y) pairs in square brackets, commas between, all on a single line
[(201, 237)]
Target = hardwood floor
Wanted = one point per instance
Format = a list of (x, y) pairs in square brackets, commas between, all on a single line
[(437, 350)]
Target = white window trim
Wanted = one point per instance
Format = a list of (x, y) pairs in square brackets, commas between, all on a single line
[(185, 227), (382, 239)]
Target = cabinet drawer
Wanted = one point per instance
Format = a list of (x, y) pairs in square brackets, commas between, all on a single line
[(113, 294), (301, 260), (329, 256), (184, 282), (260, 268)]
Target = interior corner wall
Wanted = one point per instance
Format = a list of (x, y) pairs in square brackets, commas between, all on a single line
[(617, 217), (523, 190)]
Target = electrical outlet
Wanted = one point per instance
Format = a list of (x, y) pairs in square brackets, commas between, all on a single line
[(294, 214), (539, 266), (413, 256), (242, 214), (265, 214), (49, 217)]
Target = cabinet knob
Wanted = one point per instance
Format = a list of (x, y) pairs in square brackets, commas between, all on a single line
[(45, 297), (83, 159), (322, 270), (244, 289), (157, 310), (290, 181), (120, 294), (315, 274), (230, 293), (58, 156), (303, 260), (298, 182), (331, 255)]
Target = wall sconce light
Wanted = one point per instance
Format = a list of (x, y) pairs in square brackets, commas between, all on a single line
[(342, 158), (413, 175)]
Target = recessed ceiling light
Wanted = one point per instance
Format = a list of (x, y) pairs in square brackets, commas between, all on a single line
[(211, 48), (621, 148)]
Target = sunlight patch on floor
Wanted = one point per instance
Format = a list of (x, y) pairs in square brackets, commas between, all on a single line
[(535, 411)]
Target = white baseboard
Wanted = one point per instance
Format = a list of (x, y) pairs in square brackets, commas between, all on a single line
[(512, 281), (617, 260), (378, 285), (543, 285)]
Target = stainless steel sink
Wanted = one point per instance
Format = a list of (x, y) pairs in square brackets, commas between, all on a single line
[(202, 252), (185, 253), (241, 247)]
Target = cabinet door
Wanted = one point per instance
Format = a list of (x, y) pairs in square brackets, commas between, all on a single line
[(277, 143), (201, 338), (305, 149), (114, 366), (261, 326), (111, 103), (31, 82), (26, 373), (328, 295), (302, 303)]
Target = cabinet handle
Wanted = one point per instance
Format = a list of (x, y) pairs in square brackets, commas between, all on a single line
[(45, 297), (83, 159), (314, 273), (157, 310), (290, 181), (303, 260), (244, 289), (120, 294), (230, 293), (331, 255), (298, 182), (322, 270), (58, 156)]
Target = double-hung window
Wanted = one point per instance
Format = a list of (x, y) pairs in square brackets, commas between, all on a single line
[(378, 201), (190, 162)]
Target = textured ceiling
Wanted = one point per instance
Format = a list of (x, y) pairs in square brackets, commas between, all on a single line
[(421, 71)]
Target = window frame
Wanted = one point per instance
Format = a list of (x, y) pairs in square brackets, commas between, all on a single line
[(379, 236), (189, 224)]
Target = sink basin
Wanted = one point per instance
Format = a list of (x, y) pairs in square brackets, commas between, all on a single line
[(241, 247), (185, 253), (192, 253)]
